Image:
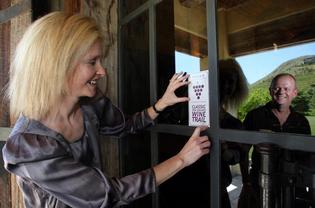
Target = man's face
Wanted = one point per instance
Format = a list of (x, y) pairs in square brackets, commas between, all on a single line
[(284, 90)]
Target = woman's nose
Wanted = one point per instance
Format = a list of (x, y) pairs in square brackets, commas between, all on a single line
[(102, 71)]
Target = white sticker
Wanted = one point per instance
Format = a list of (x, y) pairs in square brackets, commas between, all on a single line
[(198, 105)]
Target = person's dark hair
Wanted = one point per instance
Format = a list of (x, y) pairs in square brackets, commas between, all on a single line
[(226, 68)]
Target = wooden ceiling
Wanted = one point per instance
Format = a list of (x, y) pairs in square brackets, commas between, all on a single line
[(222, 4), (258, 25)]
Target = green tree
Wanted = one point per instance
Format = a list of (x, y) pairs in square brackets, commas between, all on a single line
[(257, 97), (301, 103)]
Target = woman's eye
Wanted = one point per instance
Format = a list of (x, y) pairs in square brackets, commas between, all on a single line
[(92, 62)]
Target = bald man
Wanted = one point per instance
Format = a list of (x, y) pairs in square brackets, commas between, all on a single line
[(276, 116)]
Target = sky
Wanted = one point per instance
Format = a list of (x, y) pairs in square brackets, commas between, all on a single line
[(186, 63), (255, 66)]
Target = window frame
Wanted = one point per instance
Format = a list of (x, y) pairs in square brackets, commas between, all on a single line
[(284, 140)]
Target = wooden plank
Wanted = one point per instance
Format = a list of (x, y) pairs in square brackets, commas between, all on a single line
[(105, 13), (73, 6), (18, 26), (16, 195), (5, 184), (292, 29), (191, 44), (5, 199), (4, 62), (191, 3), (4, 70)]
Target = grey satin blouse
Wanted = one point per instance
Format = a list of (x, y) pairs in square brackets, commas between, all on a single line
[(52, 172)]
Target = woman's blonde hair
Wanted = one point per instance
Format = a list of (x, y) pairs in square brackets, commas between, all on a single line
[(45, 57)]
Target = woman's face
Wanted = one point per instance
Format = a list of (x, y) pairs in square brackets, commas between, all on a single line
[(86, 73)]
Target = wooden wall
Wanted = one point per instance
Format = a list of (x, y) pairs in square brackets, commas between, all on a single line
[(15, 16), (105, 12)]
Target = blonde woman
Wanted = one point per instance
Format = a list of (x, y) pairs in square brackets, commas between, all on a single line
[(53, 148)]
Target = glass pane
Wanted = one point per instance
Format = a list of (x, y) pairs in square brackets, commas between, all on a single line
[(276, 177), (128, 6), (266, 39), (181, 47), (191, 186), (259, 40), (135, 64), (234, 170), (135, 150)]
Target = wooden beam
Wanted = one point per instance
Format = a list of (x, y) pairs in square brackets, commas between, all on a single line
[(190, 43), (289, 30), (191, 3), (5, 182), (4, 70), (18, 25), (5, 39), (73, 6), (105, 13)]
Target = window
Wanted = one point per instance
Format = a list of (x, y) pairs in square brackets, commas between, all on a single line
[(204, 33)]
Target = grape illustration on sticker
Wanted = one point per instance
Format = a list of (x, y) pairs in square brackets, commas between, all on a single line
[(198, 105)]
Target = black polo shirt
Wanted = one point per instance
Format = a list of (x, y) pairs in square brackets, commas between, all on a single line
[(263, 119)]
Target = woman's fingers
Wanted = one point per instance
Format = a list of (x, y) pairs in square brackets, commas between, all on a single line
[(196, 147), (197, 131)]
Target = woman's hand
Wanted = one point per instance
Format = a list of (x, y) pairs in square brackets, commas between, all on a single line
[(196, 147), (169, 97)]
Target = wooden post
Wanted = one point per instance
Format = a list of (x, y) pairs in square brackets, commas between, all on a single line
[(10, 33), (18, 27), (4, 63), (5, 196), (105, 13), (72, 6)]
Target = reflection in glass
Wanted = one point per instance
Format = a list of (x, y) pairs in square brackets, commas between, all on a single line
[(268, 38), (181, 47), (297, 60), (233, 90), (265, 45)]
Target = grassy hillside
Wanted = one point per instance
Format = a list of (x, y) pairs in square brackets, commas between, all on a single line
[(303, 68)]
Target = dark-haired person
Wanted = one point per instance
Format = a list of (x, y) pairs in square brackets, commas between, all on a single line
[(233, 91)]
